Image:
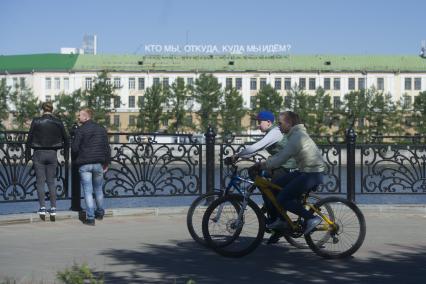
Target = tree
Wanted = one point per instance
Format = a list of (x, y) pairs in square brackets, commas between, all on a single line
[(67, 107), (177, 103), (268, 99), (380, 118), (207, 94), (302, 104), (231, 111), (151, 109), (99, 98), (356, 109), (4, 96), (321, 104), (419, 117), (25, 104)]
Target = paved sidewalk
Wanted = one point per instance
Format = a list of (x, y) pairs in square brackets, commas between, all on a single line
[(153, 246)]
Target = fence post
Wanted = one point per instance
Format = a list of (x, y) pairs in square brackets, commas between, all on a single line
[(210, 158), (350, 167), (75, 179)]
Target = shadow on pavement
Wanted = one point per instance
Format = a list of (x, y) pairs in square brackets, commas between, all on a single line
[(268, 264)]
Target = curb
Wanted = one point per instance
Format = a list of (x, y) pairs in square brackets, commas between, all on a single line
[(25, 218), (370, 209)]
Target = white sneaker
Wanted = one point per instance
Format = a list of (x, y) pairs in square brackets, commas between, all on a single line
[(278, 224), (311, 224)]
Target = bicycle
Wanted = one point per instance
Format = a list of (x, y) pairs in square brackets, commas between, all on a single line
[(235, 185), (227, 223)]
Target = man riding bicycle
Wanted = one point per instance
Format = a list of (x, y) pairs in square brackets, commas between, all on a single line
[(311, 167)]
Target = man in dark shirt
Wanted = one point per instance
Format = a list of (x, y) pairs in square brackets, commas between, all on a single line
[(91, 147), (47, 135)]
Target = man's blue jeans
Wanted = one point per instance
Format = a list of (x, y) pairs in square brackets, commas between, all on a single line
[(91, 179)]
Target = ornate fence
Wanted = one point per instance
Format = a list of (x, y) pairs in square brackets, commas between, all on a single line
[(149, 165)]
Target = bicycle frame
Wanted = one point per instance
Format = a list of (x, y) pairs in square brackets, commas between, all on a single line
[(267, 187)]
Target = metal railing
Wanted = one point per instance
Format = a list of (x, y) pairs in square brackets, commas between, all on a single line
[(152, 165)]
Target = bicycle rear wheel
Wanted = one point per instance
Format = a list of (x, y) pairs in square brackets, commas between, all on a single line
[(345, 236), (194, 217), (230, 233)]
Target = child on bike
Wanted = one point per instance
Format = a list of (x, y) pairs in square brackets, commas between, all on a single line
[(272, 142)]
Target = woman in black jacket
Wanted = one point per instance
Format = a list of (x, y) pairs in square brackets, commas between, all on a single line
[(47, 135)]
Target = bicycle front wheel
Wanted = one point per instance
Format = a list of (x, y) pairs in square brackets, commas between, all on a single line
[(231, 228), (194, 217), (346, 233)]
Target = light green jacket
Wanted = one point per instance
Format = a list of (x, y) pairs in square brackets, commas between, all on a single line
[(300, 147)]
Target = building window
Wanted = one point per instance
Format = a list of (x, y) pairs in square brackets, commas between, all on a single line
[(116, 120), (417, 84), (141, 83), (190, 81), (117, 102), (351, 84), (117, 83), (312, 84), (141, 101), (287, 101), (253, 102), (156, 81), (56, 98), (262, 83), (361, 83), (88, 83), (277, 84), (253, 123), (165, 122), (117, 138), (407, 83), (253, 84), (327, 85), (107, 103), (66, 84), (407, 102), (336, 84), (108, 81), (336, 102), (380, 84), (287, 84), (132, 120), (228, 83), (48, 98), (302, 83), (132, 101), (132, 83), (22, 82), (238, 83), (108, 120), (57, 83), (165, 82), (48, 83)]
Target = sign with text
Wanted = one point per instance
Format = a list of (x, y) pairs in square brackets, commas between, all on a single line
[(217, 49)]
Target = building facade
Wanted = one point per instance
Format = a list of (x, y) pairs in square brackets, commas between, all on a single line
[(52, 75)]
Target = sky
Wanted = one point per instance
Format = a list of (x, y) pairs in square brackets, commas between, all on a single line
[(126, 26)]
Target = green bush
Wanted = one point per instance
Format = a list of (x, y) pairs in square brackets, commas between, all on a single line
[(79, 274)]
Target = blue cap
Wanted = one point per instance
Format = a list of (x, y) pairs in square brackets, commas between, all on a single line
[(265, 115)]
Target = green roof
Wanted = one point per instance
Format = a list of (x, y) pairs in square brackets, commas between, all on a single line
[(37, 62), (215, 63)]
